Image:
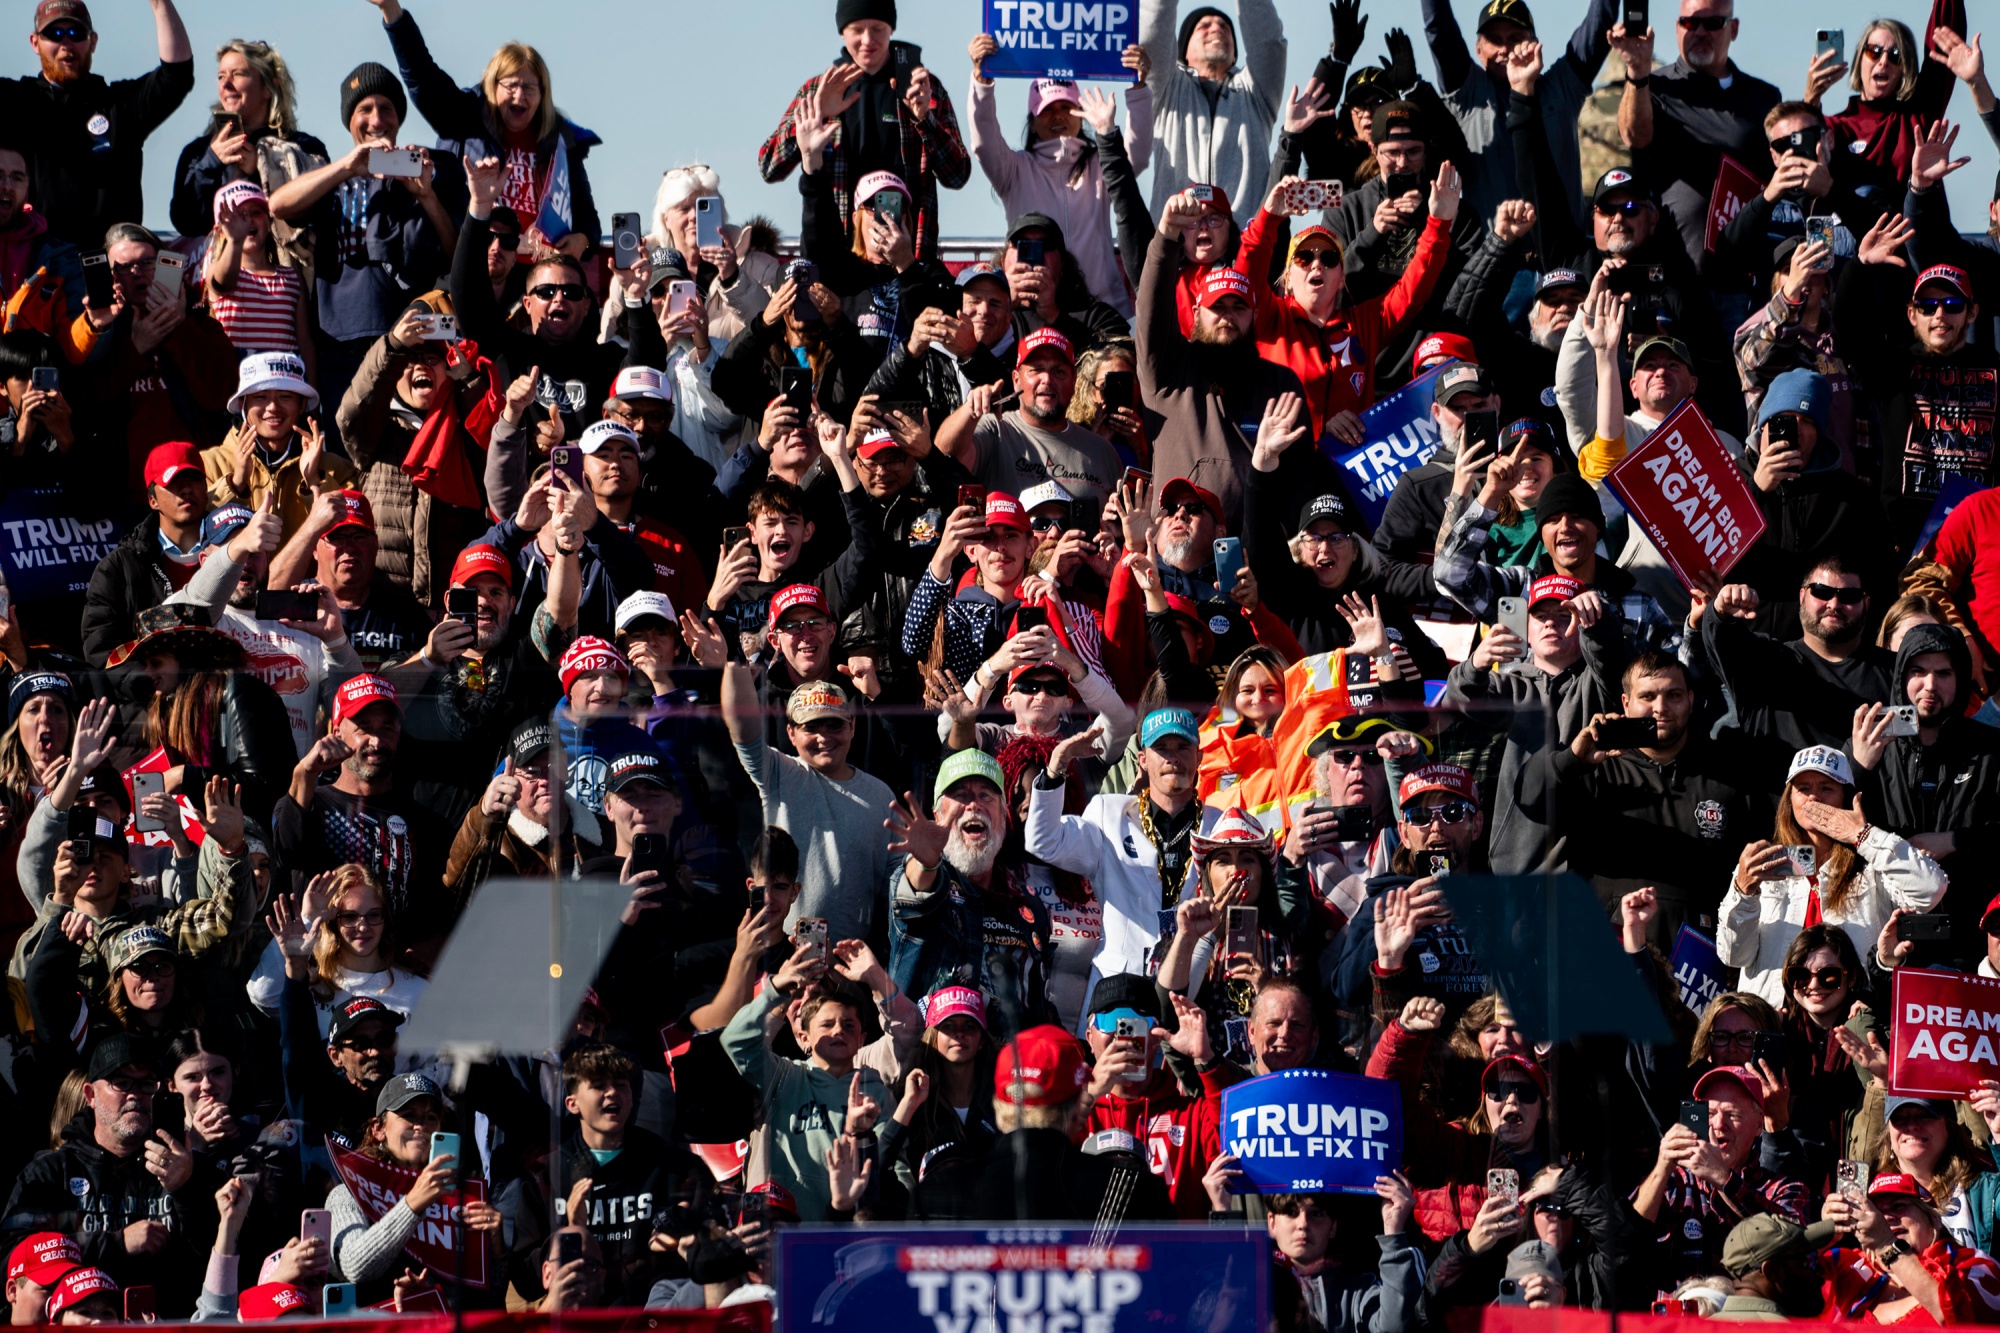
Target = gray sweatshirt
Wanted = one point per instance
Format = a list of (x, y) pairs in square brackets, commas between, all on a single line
[(1215, 134)]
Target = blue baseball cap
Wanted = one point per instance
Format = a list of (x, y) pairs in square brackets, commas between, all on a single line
[(222, 523), (1803, 391), (1164, 722)]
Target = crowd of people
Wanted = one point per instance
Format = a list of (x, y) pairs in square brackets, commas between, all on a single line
[(1006, 724)]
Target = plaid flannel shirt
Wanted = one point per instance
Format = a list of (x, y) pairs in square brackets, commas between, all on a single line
[(967, 624), (1695, 1216), (1475, 585), (934, 144)]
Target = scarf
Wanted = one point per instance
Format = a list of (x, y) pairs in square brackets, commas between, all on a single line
[(437, 462)]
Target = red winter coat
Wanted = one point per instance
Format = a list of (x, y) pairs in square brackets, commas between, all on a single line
[(1446, 1162), (1181, 1134), (1968, 1285), (1336, 361)]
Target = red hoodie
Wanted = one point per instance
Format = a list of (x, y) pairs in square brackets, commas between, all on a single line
[(1181, 1134), (1335, 361)]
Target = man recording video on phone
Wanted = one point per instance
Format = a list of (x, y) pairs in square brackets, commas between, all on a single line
[(1940, 788), (1808, 180), (1643, 799)]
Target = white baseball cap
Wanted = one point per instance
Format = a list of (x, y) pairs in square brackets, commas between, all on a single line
[(642, 382), (642, 604), (1044, 492), (1822, 759), (600, 433)]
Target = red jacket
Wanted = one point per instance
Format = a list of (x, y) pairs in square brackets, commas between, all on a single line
[(1181, 1134), (1446, 1162), (1336, 361), (1968, 1285), (677, 570)]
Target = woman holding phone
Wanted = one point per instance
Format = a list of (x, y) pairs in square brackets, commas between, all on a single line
[(253, 134), (1825, 862), (409, 1114), (1230, 937)]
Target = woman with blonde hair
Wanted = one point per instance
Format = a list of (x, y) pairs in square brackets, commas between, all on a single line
[(344, 920), (734, 280), (1854, 876), (253, 134), (510, 114), (1901, 89)]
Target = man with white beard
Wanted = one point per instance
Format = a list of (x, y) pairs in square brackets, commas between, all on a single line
[(963, 916)]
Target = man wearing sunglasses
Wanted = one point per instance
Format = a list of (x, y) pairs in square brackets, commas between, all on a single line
[(1671, 813), (1934, 392), (1681, 119), (129, 1193), (1808, 179), (1787, 695), (1402, 939), (90, 135)]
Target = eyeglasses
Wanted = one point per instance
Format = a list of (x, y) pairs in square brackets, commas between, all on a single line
[(568, 291), (1617, 207), (1706, 22), (1723, 1037), (1185, 509), (1325, 258), (351, 919), (1423, 816), (1033, 685), (519, 86), (803, 625), (65, 32), (1829, 978), (1527, 1093), (1324, 538), (1349, 758), (1885, 53), (154, 967), (1931, 305), (135, 1087), (1845, 596)]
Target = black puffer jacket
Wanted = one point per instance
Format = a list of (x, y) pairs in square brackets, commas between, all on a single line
[(129, 580)]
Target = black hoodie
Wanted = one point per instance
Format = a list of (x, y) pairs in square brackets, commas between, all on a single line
[(1951, 785), (92, 1195)]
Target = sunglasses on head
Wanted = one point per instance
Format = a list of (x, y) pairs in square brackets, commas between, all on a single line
[(1705, 22), (1829, 978), (1826, 592), (65, 32), (1449, 812), (1325, 257), (568, 291), (1107, 1022), (1931, 305), (1501, 1089), (1885, 53)]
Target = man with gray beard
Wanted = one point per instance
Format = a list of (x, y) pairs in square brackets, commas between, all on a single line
[(963, 914), (303, 660), (1523, 363)]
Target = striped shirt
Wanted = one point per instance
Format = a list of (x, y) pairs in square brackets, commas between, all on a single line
[(261, 312)]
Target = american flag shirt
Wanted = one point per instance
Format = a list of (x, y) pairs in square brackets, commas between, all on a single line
[(351, 831)]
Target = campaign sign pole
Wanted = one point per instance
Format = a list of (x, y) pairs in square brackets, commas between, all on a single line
[(1681, 486), (922, 1279), (1944, 1034), (1303, 1130), (1401, 437), (1060, 39)]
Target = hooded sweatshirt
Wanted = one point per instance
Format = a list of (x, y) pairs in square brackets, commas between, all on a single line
[(1214, 133)]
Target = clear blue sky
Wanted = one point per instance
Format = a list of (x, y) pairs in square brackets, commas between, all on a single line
[(675, 81)]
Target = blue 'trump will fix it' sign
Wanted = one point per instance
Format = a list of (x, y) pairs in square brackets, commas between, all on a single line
[(1059, 39), (1313, 1129)]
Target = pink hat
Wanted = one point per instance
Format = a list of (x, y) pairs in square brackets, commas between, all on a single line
[(877, 181), (950, 1001), (1045, 93), (238, 193)]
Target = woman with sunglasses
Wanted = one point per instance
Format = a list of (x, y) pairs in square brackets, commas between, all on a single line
[(1728, 1032), (344, 921), (1208, 960), (1448, 1160), (1819, 1095), (1825, 863), (1900, 88)]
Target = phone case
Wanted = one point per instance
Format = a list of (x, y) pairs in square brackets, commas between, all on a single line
[(143, 785), (1313, 196)]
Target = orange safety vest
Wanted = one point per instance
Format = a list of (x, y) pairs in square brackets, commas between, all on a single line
[(1273, 778)]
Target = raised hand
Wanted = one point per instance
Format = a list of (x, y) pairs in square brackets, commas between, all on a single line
[(1284, 424), (1305, 109), (484, 181), (222, 814), (839, 89), (815, 134), (1401, 62), (1364, 622), (1422, 1014), (1931, 161), (1073, 748), (1892, 231), (915, 834), (1513, 219), (1524, 67), (93, 742), (1960, 55), (1099, 110), (287, 926)]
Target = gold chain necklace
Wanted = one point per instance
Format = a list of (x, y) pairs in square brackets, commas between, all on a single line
[(1170, 894)]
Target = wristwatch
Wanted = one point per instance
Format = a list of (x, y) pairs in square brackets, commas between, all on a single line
[(1893, 1251)]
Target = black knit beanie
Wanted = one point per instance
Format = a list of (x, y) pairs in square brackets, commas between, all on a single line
[(854, 11), (1568, 493), (366, 80), (1187, 28)]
